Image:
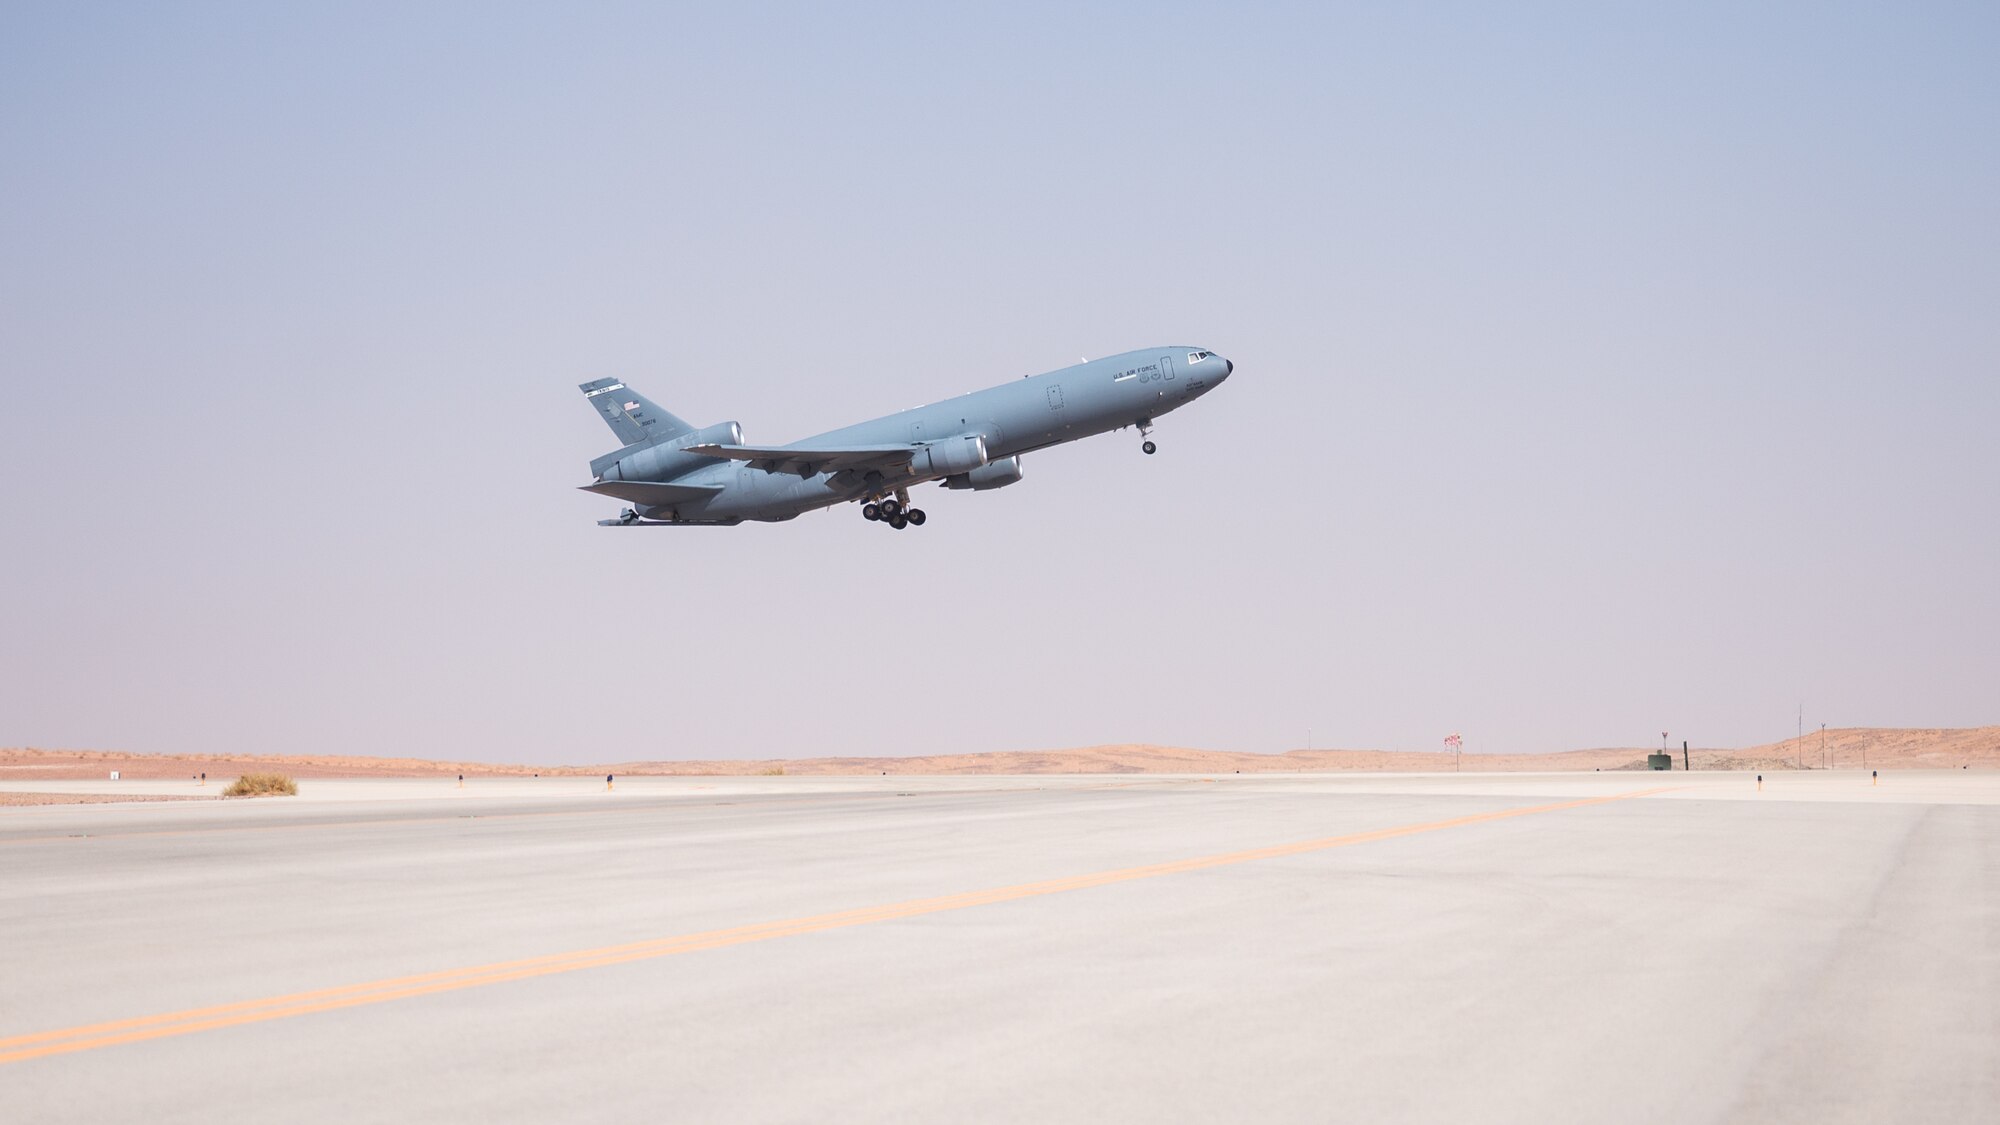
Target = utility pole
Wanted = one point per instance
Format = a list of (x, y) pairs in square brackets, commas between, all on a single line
[(1822, 746), (1684, 756), (1802, 734)]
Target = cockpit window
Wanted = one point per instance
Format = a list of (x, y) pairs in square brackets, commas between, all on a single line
[(1197, 357)]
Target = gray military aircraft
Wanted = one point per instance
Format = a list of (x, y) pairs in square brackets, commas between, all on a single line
[(675, 474)]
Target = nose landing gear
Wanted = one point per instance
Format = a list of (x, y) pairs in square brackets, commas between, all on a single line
[(1145, 430)]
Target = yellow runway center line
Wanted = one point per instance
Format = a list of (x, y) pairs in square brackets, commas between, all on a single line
[(20, 1048)]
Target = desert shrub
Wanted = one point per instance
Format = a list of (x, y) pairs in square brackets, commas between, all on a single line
[(262, 785)]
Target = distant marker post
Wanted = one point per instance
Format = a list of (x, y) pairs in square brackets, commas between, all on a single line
[(1760, 783), (607, 783), (1874, 777)]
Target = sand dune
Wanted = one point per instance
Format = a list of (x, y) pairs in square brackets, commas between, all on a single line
[(1878, 747)]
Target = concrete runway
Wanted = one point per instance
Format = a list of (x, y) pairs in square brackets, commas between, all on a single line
[(1548, 947)]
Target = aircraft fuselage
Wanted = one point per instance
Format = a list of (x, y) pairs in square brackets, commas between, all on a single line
[(1013, 418)]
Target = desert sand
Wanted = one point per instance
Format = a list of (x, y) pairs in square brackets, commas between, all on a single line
[(1852, 748)]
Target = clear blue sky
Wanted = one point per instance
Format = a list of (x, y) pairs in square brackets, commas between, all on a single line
[(1598, 373)]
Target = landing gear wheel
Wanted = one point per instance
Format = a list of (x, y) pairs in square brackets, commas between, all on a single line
[(890, 508), (916, 516), (1150, 448), (899, 521), (870, 512)]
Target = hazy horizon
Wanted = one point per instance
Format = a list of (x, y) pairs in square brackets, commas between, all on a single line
[(1835, 747), (1597, 374)]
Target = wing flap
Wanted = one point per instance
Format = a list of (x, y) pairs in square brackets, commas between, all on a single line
[(805, 461)]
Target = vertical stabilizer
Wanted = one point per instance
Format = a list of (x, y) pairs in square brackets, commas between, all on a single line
[(631, 415)]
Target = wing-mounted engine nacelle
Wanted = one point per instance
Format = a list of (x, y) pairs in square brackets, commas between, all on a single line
[(998, 474), (950, 456), (668, 459)]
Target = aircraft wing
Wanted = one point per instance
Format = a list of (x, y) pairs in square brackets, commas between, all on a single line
[(644, 492), (806, 461)]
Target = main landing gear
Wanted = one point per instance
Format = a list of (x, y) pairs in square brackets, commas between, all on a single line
[(896, 513), (1146, 428)]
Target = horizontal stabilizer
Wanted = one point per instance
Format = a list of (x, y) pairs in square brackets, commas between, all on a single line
[(646, 492), (668, 523)]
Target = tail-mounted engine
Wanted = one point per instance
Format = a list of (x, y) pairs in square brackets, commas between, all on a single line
[(668, 459)]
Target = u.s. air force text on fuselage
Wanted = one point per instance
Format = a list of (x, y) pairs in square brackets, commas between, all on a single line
[(673, 473)]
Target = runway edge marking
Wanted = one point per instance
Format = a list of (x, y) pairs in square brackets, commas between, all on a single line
[(21, 1048)]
